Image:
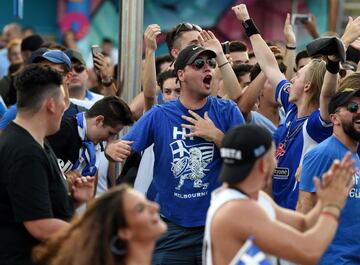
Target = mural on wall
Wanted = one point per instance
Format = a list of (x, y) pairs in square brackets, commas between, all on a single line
[(91, 20)]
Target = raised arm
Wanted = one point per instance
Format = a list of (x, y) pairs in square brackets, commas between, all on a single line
[(351, 33), (149, 73), (231, 85), (263, 54), (290, 38)]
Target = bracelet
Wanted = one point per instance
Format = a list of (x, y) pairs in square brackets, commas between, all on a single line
[(333, 67), (250, 27), (290, 48), (221, 65), (331, 215)]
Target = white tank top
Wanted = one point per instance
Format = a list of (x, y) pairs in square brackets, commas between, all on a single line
[(218, 198)]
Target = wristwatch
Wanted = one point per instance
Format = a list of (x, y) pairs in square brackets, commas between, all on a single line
[(107, 81)]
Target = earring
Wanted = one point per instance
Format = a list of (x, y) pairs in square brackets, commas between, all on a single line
[(114, 247)]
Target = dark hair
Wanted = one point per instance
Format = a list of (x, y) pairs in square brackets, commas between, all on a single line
[(241, 69), (107, 40), (301, 55), (33, 84), (53, 46), (164, 76), (160, 60), (175, 33), (114, 110), (255, 70), (237, 46), (90, 234)]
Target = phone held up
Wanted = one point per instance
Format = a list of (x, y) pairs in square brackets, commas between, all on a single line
[(226, 47), (94, 50), (300, 19)]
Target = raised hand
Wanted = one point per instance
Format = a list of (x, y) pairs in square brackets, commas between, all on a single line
[(241, 12), (101, 66), (337, 182), (289, 33), (208, 40), (352, 31), (151, 32), (83, 189), (118, 151)]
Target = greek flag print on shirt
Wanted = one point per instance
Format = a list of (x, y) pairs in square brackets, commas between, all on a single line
[(87, 153), (250, 254)]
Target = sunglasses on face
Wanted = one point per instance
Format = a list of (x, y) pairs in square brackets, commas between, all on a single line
[(78, 68), (200, 62), (186, 27), (352, 107)]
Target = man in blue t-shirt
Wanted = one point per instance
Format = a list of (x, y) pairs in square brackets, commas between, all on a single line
[(187, 159), (345, 115)]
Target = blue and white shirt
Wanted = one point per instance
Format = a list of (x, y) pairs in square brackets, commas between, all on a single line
[(185, 169), (296, 138), (345, 248)]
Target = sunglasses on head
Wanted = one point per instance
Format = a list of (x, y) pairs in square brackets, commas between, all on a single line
[(200, 62), (78, 68), (186, 27)]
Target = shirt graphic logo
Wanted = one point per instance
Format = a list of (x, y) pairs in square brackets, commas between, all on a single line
[(190, 162), (280, 151)]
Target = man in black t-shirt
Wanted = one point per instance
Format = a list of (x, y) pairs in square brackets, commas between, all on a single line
[(35, 198)]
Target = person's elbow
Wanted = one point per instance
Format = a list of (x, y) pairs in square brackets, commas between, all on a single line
[(42, 229)]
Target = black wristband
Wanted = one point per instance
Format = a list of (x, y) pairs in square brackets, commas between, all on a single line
[(290, 48), (333, 67), (250, 27)]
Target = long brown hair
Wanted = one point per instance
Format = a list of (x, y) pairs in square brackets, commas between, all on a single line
[(315, 74), (88, 239)]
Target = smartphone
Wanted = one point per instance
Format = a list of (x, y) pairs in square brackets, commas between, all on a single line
[(94, 50), (226, 47), (300, 19)]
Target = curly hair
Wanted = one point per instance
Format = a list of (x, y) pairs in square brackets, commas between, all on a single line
[(88, 239)]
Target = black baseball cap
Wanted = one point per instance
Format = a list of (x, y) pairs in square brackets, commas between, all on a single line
[(241, 147), (327, 46), (189, 54), (341, 98)]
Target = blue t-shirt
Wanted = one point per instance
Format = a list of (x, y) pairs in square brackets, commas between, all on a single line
[(259, 119), (185, 169), (2, 107), (345, 248), (296, 138), (9, 116)]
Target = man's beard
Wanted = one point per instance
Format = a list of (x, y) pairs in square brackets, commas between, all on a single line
[(349, 129)]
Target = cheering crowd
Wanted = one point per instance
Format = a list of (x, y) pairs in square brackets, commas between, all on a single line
[(234, 156)]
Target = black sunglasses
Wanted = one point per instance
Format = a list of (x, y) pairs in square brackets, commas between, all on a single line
[(352, 107), (78, 68), (200, 62), (186, 27)]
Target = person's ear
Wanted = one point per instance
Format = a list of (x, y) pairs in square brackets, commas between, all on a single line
[(181, 75), (99, 120), (174, 52), (307, 87), (50, 104), (124, 234), (334, 118)]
